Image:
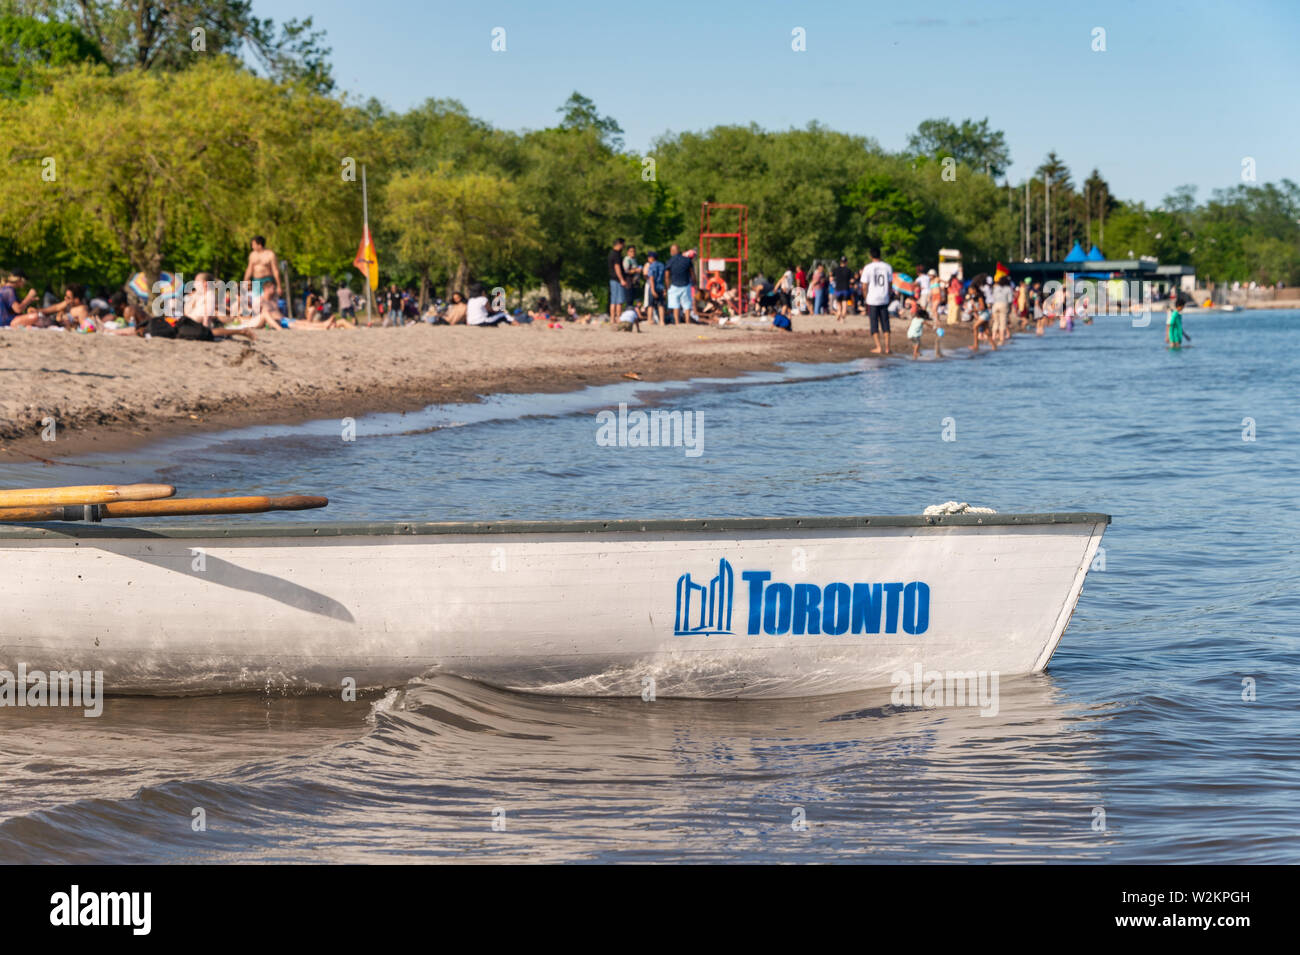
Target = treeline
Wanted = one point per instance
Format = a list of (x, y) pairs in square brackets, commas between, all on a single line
[(125, 152)]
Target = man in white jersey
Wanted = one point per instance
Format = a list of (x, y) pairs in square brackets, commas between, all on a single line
[(878, 284)]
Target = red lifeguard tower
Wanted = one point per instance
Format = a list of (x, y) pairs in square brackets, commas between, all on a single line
[(737, 242)]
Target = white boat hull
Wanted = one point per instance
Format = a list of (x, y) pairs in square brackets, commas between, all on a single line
[(603, 609)]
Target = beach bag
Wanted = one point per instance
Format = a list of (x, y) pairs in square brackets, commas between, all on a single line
[(159, 327), (783, 321)]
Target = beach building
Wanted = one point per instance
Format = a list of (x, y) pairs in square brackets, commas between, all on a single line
[(1096, 266)]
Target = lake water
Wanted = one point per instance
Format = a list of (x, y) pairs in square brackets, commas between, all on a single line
[(1136, 746)]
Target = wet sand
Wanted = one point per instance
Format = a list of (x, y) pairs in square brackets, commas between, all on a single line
[(109, 392)]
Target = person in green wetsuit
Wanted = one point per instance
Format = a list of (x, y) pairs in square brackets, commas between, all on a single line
[(1174, 326)]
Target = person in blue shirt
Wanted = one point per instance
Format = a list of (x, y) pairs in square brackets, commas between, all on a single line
[(10, 306), (655, 290), (681, 276)]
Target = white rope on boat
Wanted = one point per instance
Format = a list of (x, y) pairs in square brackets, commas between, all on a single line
[(953, 507)]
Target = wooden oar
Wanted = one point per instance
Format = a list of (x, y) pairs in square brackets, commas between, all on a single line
[(88, 494), (180, 507)]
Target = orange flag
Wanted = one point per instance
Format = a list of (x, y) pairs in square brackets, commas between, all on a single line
[(367, 261), (1000, 272)]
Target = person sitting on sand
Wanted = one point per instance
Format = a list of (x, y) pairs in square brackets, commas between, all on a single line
[(302, 325), (29, 319), (76, 312), (785, 289), (201, 302), (68, 313), (477, 310), (316, 324), (542, 313), (127, 309), (268, 314), (457, 311), (10, 305), (120, 318), (198, 321), (762, 294)]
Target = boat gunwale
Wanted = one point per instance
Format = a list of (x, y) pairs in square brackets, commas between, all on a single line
[(54, 530)]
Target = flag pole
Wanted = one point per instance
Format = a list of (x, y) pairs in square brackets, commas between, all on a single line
[(365, 215)]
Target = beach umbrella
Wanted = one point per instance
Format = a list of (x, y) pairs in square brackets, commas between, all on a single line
[(904, 284), (139, 284)]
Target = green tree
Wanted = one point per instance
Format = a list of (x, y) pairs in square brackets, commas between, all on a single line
[(1249, 233), (888, 216), (974, 144), (583, 195), (139, 162), (456, 223), (796, 183), (1098, 203), (442, 130), (578, 112), (1134, 230), (160, 34), (29, 46), (1060, 199)]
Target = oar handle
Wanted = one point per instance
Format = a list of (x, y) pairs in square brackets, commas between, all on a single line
[(86, 494), (298, 502)]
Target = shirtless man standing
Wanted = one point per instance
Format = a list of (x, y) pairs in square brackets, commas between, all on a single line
[(263, 271)]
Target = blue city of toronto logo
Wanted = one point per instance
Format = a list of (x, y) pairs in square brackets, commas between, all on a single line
[(778, 608), (705, 610)]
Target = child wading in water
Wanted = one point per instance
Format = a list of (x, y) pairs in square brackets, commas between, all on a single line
[(1174, 326), (916, 328)]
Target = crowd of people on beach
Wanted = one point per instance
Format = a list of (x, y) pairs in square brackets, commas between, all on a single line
[(201, 310), (661, 290)]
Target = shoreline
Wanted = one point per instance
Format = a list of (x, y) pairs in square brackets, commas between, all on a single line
[(111, 393)]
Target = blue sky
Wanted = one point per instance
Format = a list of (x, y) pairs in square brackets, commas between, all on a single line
[(1183, 92)]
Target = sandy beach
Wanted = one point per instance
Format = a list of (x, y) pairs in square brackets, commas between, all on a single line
[(106, 392)]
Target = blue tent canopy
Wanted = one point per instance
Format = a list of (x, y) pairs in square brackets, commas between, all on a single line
[(1076, 254), (1094, 255)]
